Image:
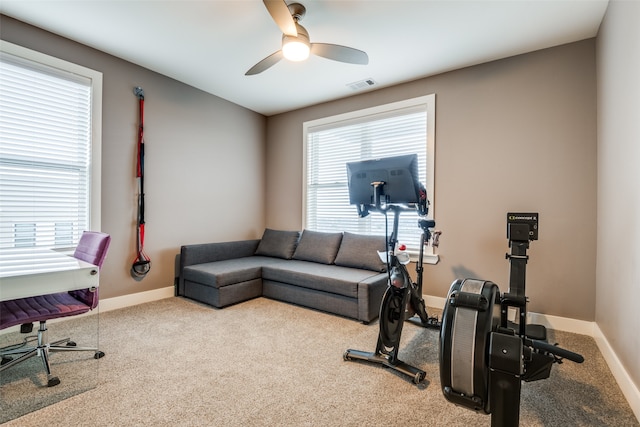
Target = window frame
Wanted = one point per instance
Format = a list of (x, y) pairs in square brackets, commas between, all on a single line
[(429, 102), (95, 175)]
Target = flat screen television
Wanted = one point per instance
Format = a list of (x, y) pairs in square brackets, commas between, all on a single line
[(399, 174)]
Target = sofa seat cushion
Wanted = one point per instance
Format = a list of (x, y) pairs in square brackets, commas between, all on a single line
[(322, 277), (228, 272)]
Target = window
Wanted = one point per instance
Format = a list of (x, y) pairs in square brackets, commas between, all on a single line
[(24, 235), (406, 127), (49, 149)]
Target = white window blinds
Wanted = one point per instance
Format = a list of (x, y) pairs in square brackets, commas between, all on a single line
[(330, 145), (45, 154)]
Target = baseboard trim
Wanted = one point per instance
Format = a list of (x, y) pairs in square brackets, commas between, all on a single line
[(432, 301), (629, 389), (552, 322), (129, 300), (575, 326), (113, 303)]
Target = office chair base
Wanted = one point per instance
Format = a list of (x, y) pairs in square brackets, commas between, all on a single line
[(43, 349)]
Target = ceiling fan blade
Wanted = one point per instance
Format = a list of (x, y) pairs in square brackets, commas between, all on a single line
[(340, 53), (282, 16), (265, 63)]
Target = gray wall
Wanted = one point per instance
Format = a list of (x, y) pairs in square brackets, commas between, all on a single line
[(618, 266), (204, 164), (517, 134)]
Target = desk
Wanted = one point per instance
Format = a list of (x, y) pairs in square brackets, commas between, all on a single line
[(28, 272)]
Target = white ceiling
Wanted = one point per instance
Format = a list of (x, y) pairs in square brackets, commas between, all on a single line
[(210, 44)]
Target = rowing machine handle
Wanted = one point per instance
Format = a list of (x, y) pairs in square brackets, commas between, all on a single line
[(555, 350)]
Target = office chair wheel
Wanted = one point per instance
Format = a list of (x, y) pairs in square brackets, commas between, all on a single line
[(418, 377), (71, 344), (98, 355), (53, 381), (5, 360)]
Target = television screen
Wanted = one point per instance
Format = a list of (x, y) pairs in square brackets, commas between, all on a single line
[(399, 174)]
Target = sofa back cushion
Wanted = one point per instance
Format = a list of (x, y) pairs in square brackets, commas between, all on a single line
[(317, 246), (278, 243), (360, 251)]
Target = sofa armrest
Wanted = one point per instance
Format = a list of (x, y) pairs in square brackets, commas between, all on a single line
[(210, 252), (370, 293)]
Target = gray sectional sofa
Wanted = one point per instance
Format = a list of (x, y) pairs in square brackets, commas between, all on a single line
[(339, 273)]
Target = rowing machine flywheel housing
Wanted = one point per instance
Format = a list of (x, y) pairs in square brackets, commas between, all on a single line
[(471, 313)]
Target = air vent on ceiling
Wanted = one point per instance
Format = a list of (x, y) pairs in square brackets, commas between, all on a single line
[(362, 84)]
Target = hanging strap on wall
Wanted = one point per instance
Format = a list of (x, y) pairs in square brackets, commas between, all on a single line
[(142, 263)]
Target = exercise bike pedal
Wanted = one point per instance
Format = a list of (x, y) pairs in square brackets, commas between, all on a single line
[(431, 322)]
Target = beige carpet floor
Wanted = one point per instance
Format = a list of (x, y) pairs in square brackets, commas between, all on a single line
[(175, 362)]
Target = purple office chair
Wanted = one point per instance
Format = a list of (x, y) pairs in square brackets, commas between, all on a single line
[(91, 248)]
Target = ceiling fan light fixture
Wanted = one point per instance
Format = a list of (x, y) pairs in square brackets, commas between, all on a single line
[(296, 45), (295, 48)]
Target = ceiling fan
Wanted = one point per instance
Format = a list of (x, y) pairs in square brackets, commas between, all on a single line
[(295, 40)]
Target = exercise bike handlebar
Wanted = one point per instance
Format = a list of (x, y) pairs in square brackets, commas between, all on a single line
[(379, 205), (382, 208), (555, 350)]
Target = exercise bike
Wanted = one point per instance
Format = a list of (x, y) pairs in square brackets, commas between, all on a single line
[(484, 356), (402, 299)]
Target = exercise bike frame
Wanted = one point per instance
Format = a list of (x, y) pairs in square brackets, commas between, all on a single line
[(401, 300)]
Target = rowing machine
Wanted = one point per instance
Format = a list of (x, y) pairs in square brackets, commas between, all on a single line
[(484, 357)]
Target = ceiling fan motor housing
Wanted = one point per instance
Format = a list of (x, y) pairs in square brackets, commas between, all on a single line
[(303, 36), (297, 11)]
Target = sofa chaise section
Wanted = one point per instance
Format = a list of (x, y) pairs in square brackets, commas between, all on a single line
[(344, 291), (339, 273)]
